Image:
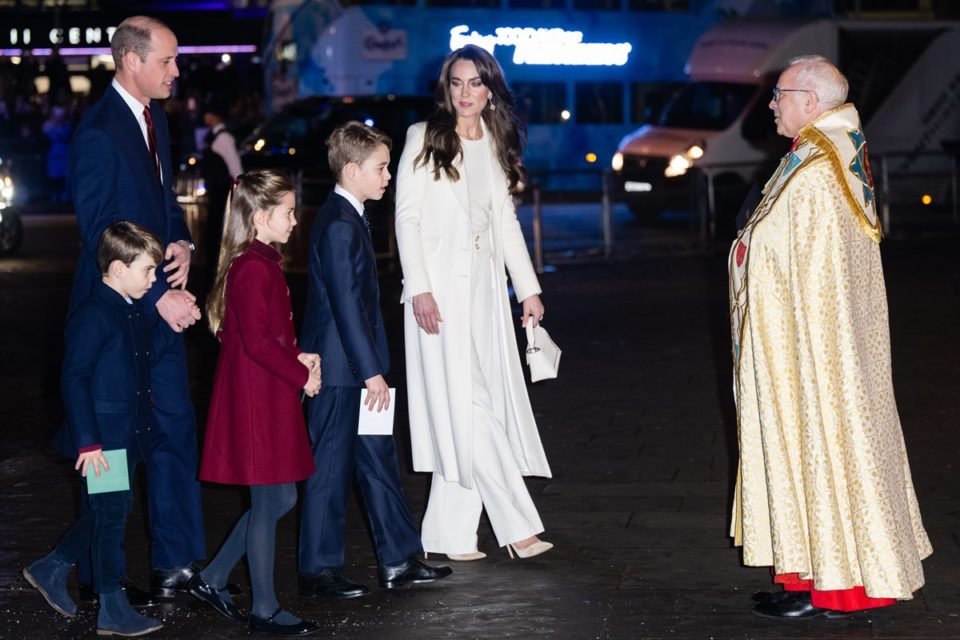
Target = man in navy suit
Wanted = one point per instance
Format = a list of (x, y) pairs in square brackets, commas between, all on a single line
[(120, 169), (344, 325)]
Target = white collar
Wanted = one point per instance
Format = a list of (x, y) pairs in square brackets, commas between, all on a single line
[(352, 199), (135, 105)]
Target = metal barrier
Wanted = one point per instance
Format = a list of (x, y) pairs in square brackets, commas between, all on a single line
[(910, 188), (605, 246), (918, 189)]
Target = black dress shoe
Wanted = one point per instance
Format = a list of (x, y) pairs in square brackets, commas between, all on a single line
[(796, 606), (137, 596), (166, 582), (770, 596), (201, 590), (267, 625), (412, 571), (331, 584)]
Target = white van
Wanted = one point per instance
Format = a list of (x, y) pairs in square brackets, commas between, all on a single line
[(904, 80)]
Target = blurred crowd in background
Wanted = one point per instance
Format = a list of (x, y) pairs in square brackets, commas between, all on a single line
[(35, 126)]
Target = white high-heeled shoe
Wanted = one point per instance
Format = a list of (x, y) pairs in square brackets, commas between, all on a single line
[(462, 557), (535, 549)]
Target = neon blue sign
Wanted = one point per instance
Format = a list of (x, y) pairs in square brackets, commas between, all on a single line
[(545, 46)]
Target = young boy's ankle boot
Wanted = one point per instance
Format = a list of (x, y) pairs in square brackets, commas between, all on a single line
[(118, 618), (49, 576)]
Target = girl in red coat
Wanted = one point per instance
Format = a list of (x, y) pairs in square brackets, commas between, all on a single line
[(255, 431)]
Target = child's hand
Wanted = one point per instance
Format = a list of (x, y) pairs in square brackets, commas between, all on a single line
[(95, 458), (378, 393), (312, 387), (310, 360)]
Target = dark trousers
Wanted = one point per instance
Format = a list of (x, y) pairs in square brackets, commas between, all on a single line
[(340, 455), (99, 529), (171, 456), (173, 491)]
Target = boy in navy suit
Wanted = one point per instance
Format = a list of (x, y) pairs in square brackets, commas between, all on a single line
[(344, 325), (106, 393)]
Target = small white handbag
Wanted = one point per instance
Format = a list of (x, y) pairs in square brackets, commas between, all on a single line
[(543, 354)]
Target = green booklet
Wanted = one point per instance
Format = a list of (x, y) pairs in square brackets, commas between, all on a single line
[(116, 479)]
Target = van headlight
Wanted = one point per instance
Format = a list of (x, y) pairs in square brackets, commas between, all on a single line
[(616, 163), (681, 163)]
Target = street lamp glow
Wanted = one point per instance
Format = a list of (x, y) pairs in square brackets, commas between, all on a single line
[(564, 115)]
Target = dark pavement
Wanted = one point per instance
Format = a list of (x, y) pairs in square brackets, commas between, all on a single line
[(638, 430)]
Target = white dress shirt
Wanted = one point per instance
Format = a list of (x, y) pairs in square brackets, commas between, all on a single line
[(137, 108), (352, 199)]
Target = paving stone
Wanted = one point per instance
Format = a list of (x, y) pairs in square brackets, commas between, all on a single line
[(640, 435)]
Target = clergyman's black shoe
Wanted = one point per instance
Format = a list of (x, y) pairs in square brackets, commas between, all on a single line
[(137, 596), (269, 625), (412, 571), (329, 583), (797, 606), (770, 596), (201, 590), (166, 582)]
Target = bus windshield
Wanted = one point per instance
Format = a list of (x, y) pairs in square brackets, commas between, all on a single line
[(712, 106)]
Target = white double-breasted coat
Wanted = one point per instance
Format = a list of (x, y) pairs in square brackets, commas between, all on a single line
[(435, 243)]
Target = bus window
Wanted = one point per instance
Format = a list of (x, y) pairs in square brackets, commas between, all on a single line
[(589, 5), (540, 102), (538, 4), (599, 102), (350, 3), (707, 105), (648, 100), (660, 5), (493, 4)]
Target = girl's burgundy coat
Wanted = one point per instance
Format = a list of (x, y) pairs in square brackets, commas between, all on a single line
[(255, 430)]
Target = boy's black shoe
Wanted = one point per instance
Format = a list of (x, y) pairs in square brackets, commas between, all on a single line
[(166, 582), (331, 584), (411, 571)]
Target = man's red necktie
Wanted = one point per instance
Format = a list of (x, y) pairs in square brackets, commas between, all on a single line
[(151, 139)]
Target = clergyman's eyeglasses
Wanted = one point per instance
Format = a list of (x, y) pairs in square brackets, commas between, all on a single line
[(777, 92)]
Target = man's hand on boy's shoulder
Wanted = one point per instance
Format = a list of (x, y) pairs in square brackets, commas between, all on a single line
[(378, 394)]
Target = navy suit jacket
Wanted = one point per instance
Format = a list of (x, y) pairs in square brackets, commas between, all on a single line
[(105, 379), (343, 322), (114, 178)]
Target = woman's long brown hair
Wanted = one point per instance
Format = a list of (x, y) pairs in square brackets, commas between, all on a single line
[(252, 191), (441, 144)]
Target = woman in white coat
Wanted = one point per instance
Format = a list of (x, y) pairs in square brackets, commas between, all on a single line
[(470, 418)]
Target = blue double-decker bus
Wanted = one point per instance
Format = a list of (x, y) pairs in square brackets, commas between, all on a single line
[(584, 72)]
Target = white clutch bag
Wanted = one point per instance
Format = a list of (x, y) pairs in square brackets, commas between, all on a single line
[(543, 354)]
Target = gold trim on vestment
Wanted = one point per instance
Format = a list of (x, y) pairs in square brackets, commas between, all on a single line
[(811, 135)]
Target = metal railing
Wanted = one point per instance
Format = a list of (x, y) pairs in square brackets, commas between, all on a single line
[(605, 246), (906, 195)]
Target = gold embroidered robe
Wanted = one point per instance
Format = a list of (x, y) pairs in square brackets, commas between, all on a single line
[(823, 484)]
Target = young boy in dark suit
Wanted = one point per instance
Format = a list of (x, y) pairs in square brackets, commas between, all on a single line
[(106, 393), (344, 325)]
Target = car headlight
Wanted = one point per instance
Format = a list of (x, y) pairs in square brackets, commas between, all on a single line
[(681, 163), (678, 166), (6, 191), (616, 163)]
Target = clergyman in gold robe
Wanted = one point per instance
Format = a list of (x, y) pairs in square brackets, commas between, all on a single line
[(824, 495)]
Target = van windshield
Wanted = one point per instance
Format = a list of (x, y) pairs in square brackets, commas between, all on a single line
[(707, 105)]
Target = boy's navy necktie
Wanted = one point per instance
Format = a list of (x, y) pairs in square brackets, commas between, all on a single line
[(366, 222)]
